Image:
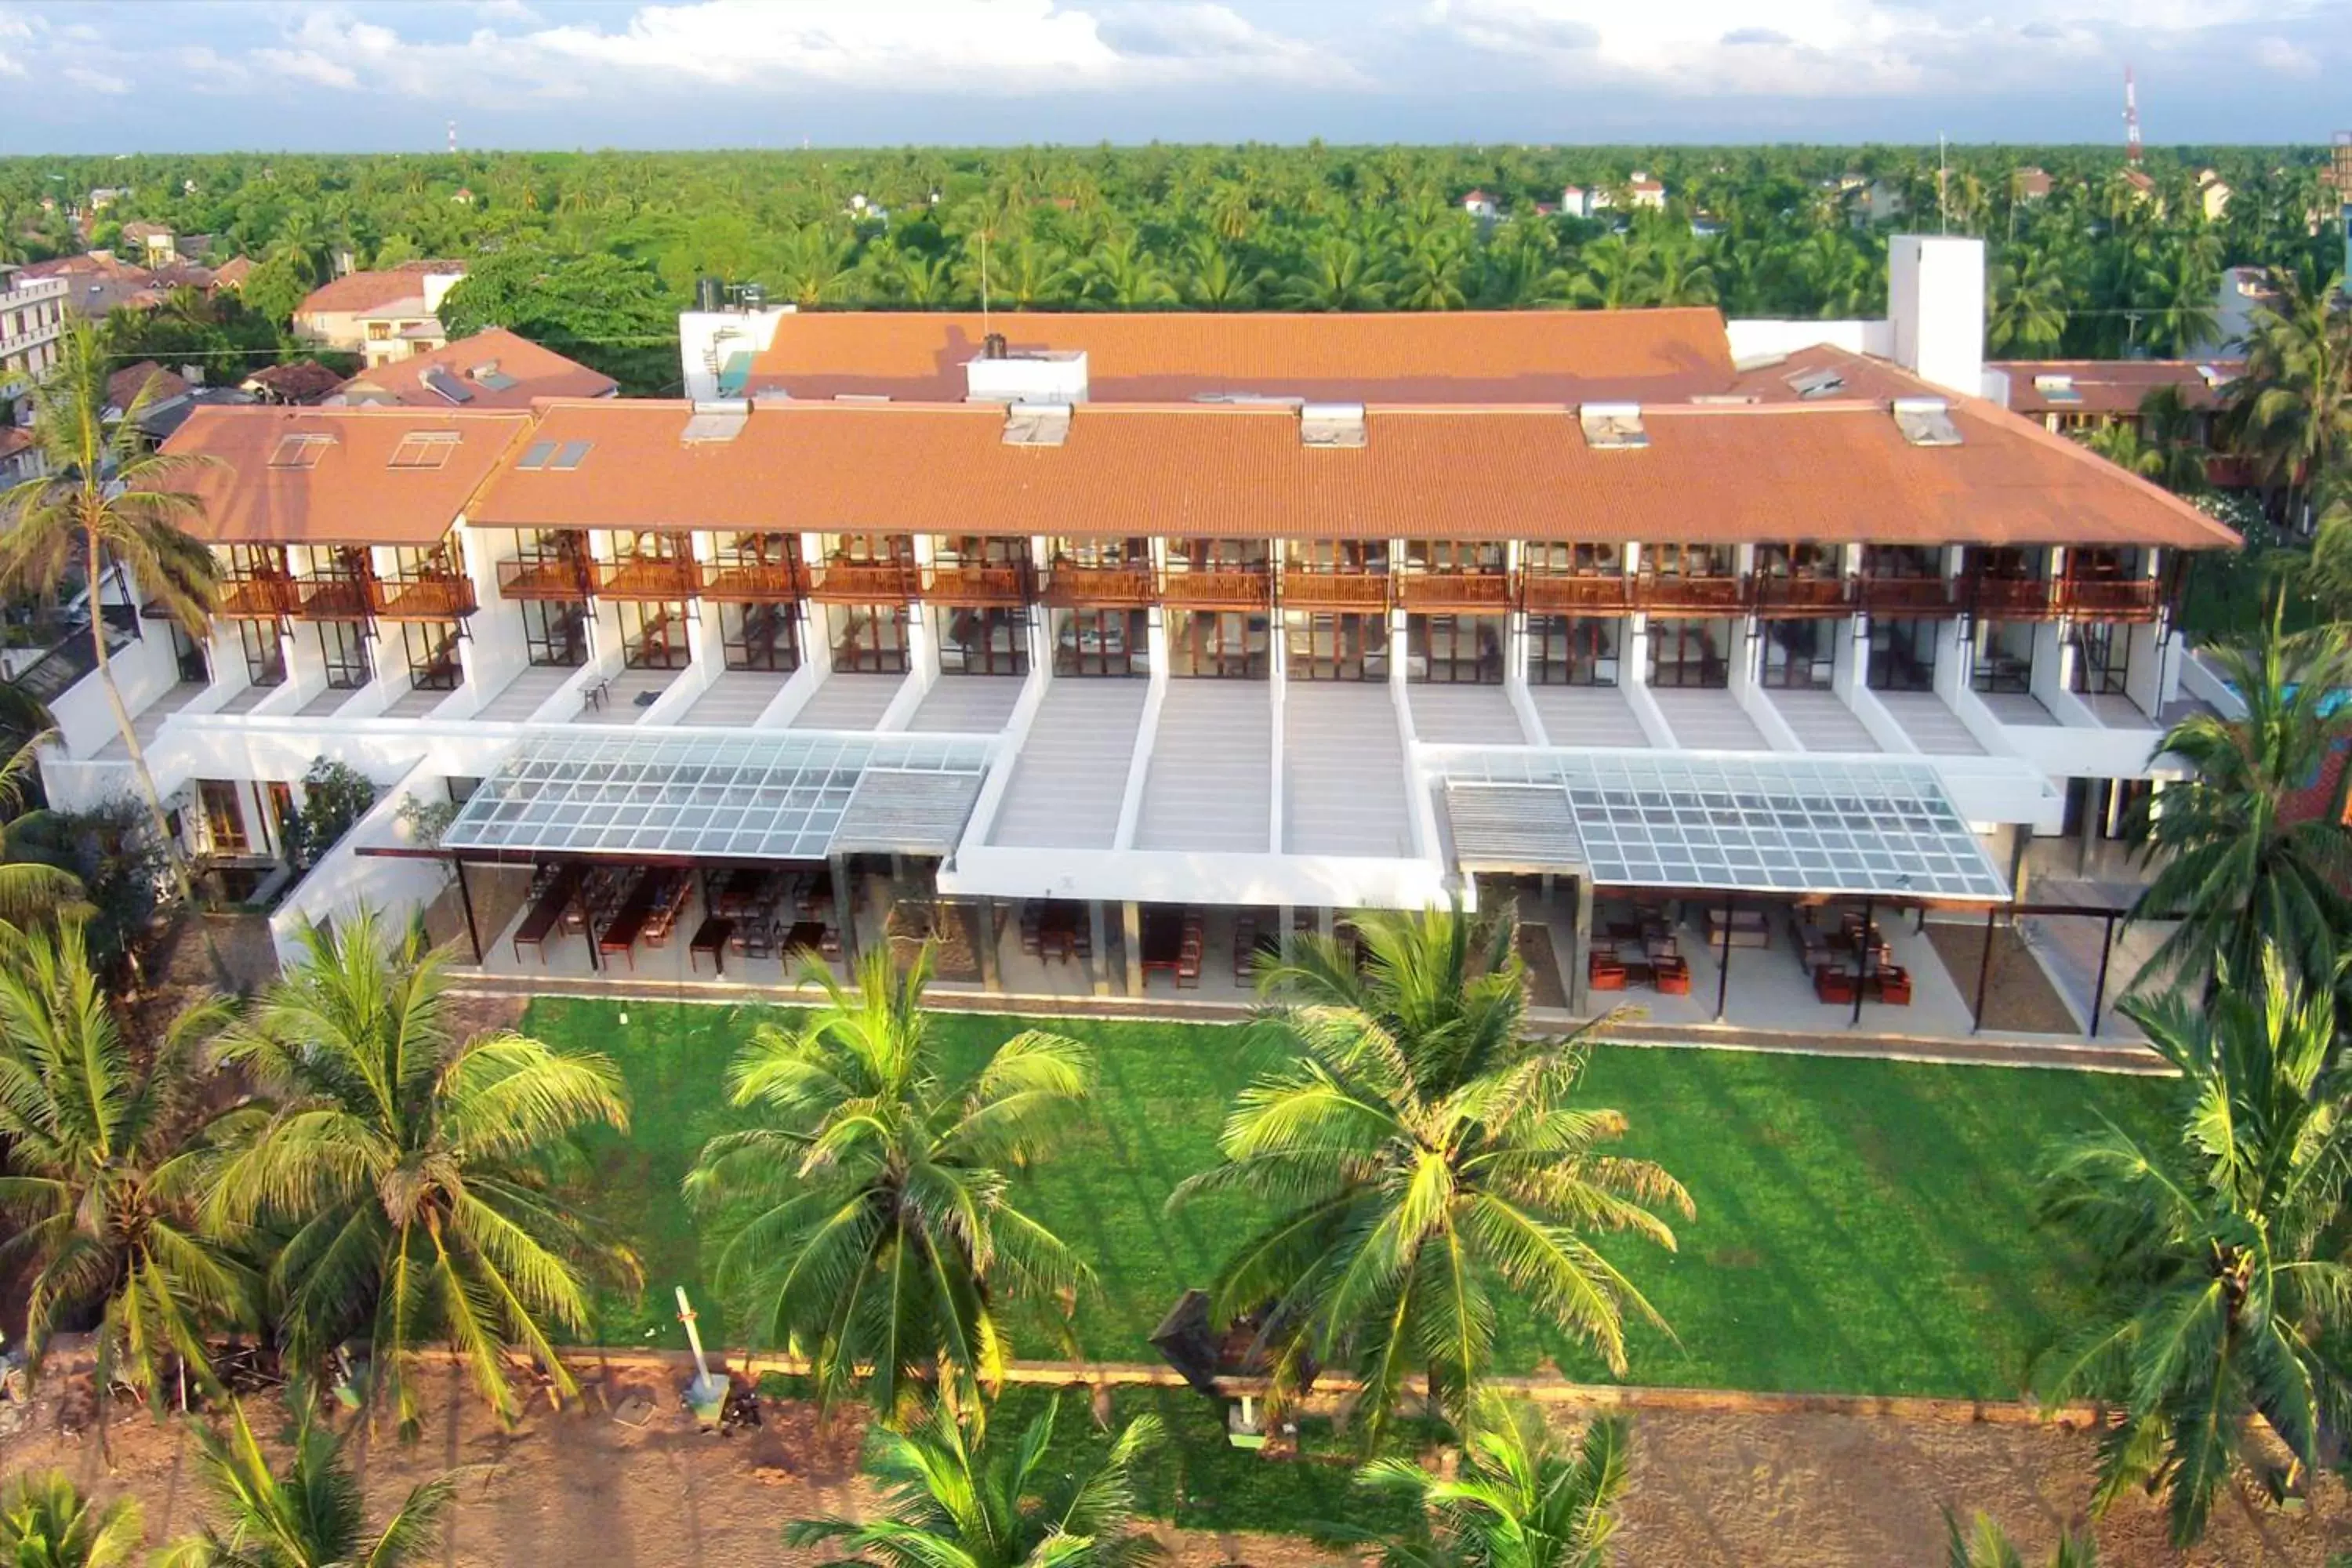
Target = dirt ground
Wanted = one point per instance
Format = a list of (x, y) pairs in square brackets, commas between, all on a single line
[(1709, 1491), (2018, 995)]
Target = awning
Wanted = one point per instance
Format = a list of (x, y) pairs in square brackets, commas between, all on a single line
[(1880, 828), (779, 796)]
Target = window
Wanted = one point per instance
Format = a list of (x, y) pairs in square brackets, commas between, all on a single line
[(1340, 555), (765, 636), (1688, 560), (2101, 658), (1455, 557), (1799, 655), (1799, 560), (224, 817), (1455, 650), (1231, 645), (423, 449), (1330, 647), (555, 632), (1556, 558), (1902, 655), (535, 454), (300, 451), (982, 641), (1101, 643), (868, 639), (1690, 653), (2004, 657), (653, 635), (379, 331), (569, 455), (343, 646), (432, 650), (265, 654), (1572, 650), (1888, 563), (1217, 554), (1099, 551)]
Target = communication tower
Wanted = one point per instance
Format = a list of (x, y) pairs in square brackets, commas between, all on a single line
[(453, 138), (2131, 119)]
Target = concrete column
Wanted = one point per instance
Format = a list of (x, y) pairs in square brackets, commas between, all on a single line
[(1580, 996), (990, 976), (1324, 920), (1098, 935), (844, 908), (1130, 933)]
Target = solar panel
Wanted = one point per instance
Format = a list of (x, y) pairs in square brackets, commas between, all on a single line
[(447, 387), (535, 454)]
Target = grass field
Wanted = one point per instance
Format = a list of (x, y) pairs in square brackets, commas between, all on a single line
[(1862, 1226)]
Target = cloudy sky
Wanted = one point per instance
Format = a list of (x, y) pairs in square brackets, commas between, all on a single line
[(99, 76)]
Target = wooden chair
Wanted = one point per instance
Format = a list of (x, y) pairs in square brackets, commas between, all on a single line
[(1603, 973)]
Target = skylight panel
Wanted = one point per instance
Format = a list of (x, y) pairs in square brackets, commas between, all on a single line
[(535, 455), (423, 449), (569, 455), (301, 451)]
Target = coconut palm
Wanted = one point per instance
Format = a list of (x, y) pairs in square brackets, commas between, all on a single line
[(1521, 1499), (312, 1514), (1419, 1148), (1216, 280), (30, 891), (2233, 864), (106, 501), (109, 1156), (2220, 1248), (1340, 276), (2292, 409), (2029, 305), (959, 1499), (874, 1228), (414, 1174), (1986, 1545), (46, 1522), (2160, 446)]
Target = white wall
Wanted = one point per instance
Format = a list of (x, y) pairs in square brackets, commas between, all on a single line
[(343, 879), (1763, 339), (1936, 302), (706, 339), (143, 670)]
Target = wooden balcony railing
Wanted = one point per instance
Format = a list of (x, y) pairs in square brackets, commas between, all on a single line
[(1910, 598), (1217, 588), (2111, 598), (864, 582), (1070, 586), (1358, 591), (1461, 591), (428, 596), (664, 578), (1548, 594), (2013, 599), (1793, 596), (543, 577), (338, 597), (257, 598), (996, 582), (753, 582), (1690, 595)]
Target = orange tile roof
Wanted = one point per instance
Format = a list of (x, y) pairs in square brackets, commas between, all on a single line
[(1836, 473), (2114, 386), (370, 290), (352, 494), (1461, 356), (529, 370), (125, 385)]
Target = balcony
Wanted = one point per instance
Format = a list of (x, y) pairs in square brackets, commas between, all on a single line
[(1690, 595), (1349, 591), (1909, 598), (2014, 599), (1545, 594), (1468, 592), (1789, 597), (340, 596), (257, 596), (1217, 588), (662, 578), (2111, 598), (428, 596), (995, 582), (738, 582), (543, 577), (1070, 586), (864, 582)]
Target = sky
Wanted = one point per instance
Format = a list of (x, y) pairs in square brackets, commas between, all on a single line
[(117, 76)]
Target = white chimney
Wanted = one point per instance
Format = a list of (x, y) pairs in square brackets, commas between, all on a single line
[(438, 286), (1035, 376), (1935, 304)]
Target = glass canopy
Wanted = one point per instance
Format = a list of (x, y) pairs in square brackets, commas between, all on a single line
[(1791, 825), (767, 796)]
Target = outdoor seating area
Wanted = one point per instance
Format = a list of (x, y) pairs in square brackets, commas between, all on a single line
[(1843, 951), (1056, 930), (620, 909), (1638, 947), (1172, 942)]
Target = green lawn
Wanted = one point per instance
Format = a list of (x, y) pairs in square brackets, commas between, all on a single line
[(1862, 1226)]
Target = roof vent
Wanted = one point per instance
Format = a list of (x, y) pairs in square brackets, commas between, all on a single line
[(1926, 422), (1038, 424), (993, 346), (713, 423), (1331, 424), (1809, 385), (1612, 427)]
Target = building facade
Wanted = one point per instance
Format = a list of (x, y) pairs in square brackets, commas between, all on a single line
[(32, 316)]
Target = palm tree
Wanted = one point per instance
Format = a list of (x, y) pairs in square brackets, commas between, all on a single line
[(1123, 275), (960, 1499), (110, 1154), (1615, 273), (815, 265), (1430, 276), (2233, 867), (2293, 405), (1216, 280), (1521, 1499), (1987, 1545), (2220, 1250), (46, 1522), (2160, 446), (312, 1515), (2029, 306), (30, 891), (1339, 277), (875, 1229), (415, 1171), (1419, 1147), (106, 499), (1680, 274)]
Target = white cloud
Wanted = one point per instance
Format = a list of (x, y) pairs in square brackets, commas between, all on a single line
[(2273, 53), (90, 80)]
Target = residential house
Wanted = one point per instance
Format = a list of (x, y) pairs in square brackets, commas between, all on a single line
[(296, 383), (2029, 183), (380, 316), (152, 242), (1482, 206), (32, 316), (2214, 194), (492, 369)]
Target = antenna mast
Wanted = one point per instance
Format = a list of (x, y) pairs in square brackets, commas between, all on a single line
[(983, 280), (453, 138), (2131, 119)]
